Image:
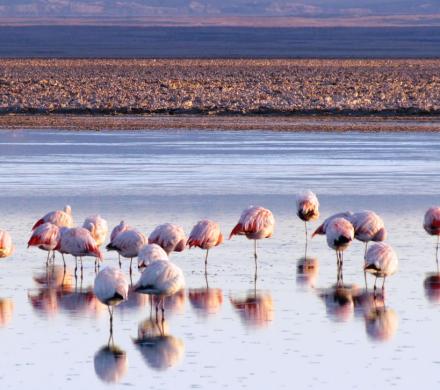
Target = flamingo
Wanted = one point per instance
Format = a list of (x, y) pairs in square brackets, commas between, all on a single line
[(340, 234), (6, 246), (78, 242), (58, 217), (381, 261), (127, 243), (169, 236), (321, 230), (122, 227), (98, 227), (111, 288), (307, 208), (368, 226), (46, 237), (161, 278), (149, 253), (255, 223), (205, 234), (431, 224)]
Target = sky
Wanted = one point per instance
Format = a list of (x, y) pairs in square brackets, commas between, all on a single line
[(313, 9)]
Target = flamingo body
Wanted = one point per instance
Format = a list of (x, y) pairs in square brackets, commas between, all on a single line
[(45, 237), (122, 227), (78, 242), (111, 286), (6, 246), (169, 236), (322, 229), (431, 222), (161, 278), (381, 260), (368, 226), (339, 233), (150, 253), (59, 218), (128, 243), (307, 206), (205, 234), (255, 223), (98, 227)]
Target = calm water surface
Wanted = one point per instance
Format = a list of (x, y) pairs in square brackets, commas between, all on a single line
[(289, 328)]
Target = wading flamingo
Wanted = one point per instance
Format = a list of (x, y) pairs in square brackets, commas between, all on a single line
[(149, 253), (6, 247), (340, 234), (169, 236), (255, 223), (161, 278), (307, 208), (78, 242), (322, 229), (381, 261), (58, 218), (127, 244), (111, 288), (368, 226), (122, 227), (46, 237), (205, 234), (431, 224), (98, 227)]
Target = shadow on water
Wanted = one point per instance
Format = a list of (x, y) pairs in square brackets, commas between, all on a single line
[(159, 349), (206, 300), (307, 271), (111, 363)]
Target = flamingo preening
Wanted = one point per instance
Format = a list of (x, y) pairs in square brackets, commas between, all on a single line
[(205, 234), (149, 253), (307, 208), (98, 227), (46, 237), (368, 226), (127, 243)]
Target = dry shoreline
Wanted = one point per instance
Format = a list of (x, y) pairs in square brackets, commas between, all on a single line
[(338, 123)]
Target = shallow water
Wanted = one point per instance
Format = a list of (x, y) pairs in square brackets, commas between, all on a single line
[(284, 331)]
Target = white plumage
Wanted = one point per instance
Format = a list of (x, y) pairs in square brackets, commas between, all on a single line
[(6, 246), (128, 243), (339, 233), (150, 253), (58, 218), (381, 260), (122, 227), (78, 242), (98, 226), (368, 226), (111, 286), (45, 236), (307, 206), (161, 278), (169, 236), (322, 229)]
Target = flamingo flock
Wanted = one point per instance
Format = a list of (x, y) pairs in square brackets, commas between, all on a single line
[(160, 277)]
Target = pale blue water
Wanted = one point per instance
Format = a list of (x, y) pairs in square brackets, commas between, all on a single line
[(50, 337)]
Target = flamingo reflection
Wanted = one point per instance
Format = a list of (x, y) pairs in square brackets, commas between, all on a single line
[(339, 301), (307, 270), (111, 364), (6, 310), (159, 349), (381, 323), (432, 287)]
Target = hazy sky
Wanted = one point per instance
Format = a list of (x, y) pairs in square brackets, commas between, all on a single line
[(218, 8)]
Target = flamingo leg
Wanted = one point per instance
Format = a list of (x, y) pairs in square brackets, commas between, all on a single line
[(206, 262), (131, 261), (305, 230), (81, 260), (375, 280), (110, 311), (255, 250), (64, 260), (47, 259), (163, 308), (76, 264), (383, 284), (120, 263)]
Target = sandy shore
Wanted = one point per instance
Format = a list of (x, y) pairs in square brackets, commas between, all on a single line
[(200, 122)]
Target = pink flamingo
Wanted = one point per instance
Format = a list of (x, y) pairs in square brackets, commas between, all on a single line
[(255, 223), (46, 237), (149, 253), (322, 229), (58, 218), (127, 243), (340, 234), (381, 261), (122, 227), (6, 246), (307, 207), (368, 226), (431, 224), (98, 227), (78, 242), (205, 234), (169, 236)]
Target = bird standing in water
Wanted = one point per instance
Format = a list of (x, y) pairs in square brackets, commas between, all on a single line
[(431, 224), (307, 208), (381, 261)]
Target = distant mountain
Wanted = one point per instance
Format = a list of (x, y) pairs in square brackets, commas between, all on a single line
[(317, 9)]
